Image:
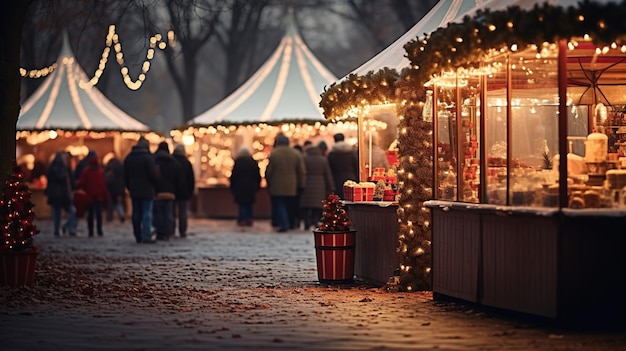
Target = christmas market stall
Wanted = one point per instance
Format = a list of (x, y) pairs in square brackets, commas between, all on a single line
[(68, 113), (368, 95), (280, 97), (521, 108)]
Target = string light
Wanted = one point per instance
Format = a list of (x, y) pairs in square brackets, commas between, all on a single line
[(112, 40)]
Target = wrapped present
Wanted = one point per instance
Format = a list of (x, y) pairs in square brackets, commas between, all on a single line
[(368, 191), (352, 191), (389, 195)]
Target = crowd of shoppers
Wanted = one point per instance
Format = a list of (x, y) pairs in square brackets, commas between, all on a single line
[(161, 185)]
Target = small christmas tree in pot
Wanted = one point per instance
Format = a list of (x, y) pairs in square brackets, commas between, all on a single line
[(18, 252), (334, 243)]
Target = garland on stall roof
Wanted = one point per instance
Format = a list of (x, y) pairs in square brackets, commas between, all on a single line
[(466, 44), (356, 91)]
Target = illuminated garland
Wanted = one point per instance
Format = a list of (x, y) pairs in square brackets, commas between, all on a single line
[(465, 44), (344, 99), (415, 180), (112, 40)]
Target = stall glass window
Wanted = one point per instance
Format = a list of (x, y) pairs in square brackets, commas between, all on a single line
[(496, 132), (378, 144), (447, 138)]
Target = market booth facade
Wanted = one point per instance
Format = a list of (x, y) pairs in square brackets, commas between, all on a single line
[(512, 226), (68, 113)]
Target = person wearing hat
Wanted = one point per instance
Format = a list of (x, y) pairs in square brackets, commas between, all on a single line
[(140, 176), (168, 171), (285, 175)]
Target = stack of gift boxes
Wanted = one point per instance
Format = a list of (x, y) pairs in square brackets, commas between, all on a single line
[(353, 191)]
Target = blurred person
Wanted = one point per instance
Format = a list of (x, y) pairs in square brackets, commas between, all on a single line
[(323, 147), (91, 180), (59, 193), (245, 181), (168, 171), (184, 191), (114, 179), (285, 176), (319, 183), (294, 206), (378, 155), (344, 163), (82, 164), (140, 177)]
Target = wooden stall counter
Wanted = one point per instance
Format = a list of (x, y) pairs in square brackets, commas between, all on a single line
[(562, 264), (218, 202), (376, 223)]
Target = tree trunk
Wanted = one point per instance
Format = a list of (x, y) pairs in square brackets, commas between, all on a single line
[(11, 22)]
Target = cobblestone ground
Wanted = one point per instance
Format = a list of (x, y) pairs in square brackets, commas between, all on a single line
[(226, 288)]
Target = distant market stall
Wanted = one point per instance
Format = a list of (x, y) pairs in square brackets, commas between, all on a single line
[(280, 97), (67, 114)]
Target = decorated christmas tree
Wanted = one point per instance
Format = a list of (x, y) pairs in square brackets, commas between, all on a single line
[(334, 216), (16, 214)]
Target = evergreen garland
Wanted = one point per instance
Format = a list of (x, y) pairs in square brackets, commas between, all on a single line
[(415, 178)]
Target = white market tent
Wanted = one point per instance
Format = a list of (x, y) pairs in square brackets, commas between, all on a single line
[(65, 101), (444, 12), (282, 96), (66, 113), (285, 88)]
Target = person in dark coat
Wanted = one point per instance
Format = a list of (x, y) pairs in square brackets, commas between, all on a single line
[(245, 181), (114, 179), (344, 163), (59, 193), (82, 164), (185, 189), (168, 171), (140, 177), (319, 183), (91, 180)]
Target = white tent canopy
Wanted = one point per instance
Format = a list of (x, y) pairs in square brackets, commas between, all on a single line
[(286, 87), (444, 12), (65, 101)]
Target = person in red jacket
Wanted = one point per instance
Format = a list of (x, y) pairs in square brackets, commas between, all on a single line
[(91, 180)]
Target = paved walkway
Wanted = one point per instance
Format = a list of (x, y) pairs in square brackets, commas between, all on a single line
[(227, 288)]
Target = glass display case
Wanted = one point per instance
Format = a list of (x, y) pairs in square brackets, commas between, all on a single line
[(378, 137), (497, 136)]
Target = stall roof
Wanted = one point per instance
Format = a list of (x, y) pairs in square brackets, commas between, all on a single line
[(285, 88), (444, 12), (64, 101), (592, 77)]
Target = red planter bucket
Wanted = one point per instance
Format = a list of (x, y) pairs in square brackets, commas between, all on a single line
[(334, 252), (17, 268)]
